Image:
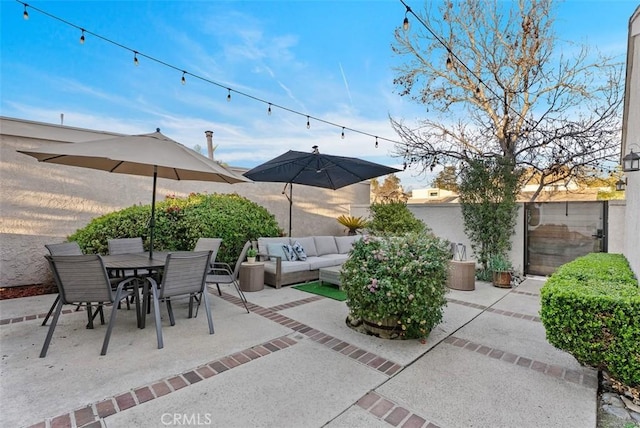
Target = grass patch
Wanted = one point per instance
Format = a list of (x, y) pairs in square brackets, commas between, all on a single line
[(322, 289)]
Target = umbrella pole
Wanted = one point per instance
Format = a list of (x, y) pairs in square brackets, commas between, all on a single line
[(290, 206), (152, 222)]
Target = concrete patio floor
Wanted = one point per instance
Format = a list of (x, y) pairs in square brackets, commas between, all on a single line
[(293, 362)]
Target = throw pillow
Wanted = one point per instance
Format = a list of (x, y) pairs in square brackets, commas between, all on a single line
[(297, 247), (276, 250), (288, 251)]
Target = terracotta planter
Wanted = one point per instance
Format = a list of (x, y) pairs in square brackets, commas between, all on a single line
[(387, 328), (502, 279)]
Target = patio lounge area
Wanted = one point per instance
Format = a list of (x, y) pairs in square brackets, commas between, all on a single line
[(293, 362)]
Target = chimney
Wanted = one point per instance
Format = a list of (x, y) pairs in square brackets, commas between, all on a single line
[(209, 135)]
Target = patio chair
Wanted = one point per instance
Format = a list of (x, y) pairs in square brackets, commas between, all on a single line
[(209, 244), (83, 279), (63, 249), (223, 274), (127, 246), (184, 274)]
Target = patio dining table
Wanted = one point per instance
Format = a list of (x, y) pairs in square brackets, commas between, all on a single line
[(137, 262)]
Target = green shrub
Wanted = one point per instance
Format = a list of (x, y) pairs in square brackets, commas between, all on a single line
[(400, 277), (591, 309), (393, 218), (181, 221)]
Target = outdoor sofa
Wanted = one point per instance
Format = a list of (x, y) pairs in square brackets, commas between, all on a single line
[(321, 252)]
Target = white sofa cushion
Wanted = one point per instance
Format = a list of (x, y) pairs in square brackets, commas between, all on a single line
[(308, 245), (321, 261), (263, 242), (336, 259), (325, 245), (345, 243), (287, 267)]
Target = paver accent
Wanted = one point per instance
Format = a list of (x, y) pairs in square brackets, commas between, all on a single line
[(92, 414), (391, 412), (585, 377)]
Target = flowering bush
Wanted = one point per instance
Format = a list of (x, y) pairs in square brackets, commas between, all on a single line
[(401, 277)]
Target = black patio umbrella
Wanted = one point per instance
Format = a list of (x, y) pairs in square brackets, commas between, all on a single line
[(316, 169)]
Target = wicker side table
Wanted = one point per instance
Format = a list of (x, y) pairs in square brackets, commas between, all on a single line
[(251, 276), (462, 275)]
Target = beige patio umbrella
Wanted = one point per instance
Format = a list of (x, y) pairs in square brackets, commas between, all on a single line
[(151, 155)]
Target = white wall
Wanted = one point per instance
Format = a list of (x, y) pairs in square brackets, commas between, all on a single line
[(631, 141)]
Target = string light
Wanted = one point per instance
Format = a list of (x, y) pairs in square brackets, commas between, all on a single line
[(405, 23), (184, 73), (25, 14), (228, 95), (342, 135), (449, 63), (82, 37)]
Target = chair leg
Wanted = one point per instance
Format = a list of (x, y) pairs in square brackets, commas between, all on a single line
[(90, 315), (241, 294), (112, 320), (172, 320), (156, 309), (51, 309), (52, 327), (207, 308)]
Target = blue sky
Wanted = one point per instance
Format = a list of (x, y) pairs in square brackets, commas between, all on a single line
[(327, 59)]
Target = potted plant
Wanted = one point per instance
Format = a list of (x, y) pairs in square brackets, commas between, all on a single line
[(501, 269), (396, 284), (251, 255), (352, 223)]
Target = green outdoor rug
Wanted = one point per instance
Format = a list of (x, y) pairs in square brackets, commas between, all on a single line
[(323, 289)]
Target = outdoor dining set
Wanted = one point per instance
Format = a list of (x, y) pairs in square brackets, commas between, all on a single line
[(129, 275)]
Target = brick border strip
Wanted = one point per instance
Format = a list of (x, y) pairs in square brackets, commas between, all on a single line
[(585, 377), (496, 311), (390, 412), (369, 359), (90, 416)]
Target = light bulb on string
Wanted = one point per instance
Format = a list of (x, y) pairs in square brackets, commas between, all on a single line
[(449, 63), (269, 110), (135, 59), (25, 14), (308, 123), (184, 80), (342, 135), (82, 37), (405, 23), (229, 95), (376, 142)]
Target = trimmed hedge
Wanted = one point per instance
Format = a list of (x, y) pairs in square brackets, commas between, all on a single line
[(591, 309), (181, 221)]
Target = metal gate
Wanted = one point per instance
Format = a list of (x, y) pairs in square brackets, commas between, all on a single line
[(559, 232)]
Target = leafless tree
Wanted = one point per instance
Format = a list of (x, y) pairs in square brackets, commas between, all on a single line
[(496, 81)]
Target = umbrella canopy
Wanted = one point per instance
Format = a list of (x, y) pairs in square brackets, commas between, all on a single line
[(152, 155), (316, 169)]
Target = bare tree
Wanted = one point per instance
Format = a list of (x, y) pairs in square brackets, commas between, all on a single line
[(497, 67), (389, 191)]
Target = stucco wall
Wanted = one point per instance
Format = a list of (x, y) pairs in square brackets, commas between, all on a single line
[(44, 203), (446, 221)]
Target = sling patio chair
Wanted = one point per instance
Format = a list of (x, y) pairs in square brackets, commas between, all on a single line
[(63, 249), (184, 274), (127, 246), (223, 274), (83, 279)]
